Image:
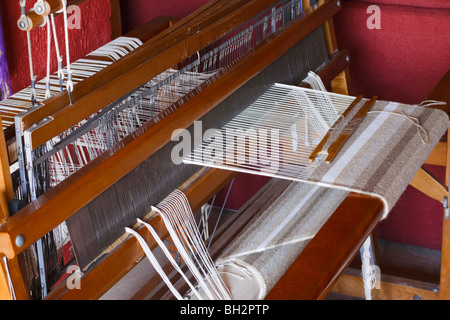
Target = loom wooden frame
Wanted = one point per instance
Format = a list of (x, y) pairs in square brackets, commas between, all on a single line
[(134, 70), (312, 21), (196, 191), (136, 149)]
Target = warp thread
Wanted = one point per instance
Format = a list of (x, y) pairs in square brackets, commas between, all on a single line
[(179, 221)]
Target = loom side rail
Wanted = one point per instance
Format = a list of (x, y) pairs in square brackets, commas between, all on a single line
[(314, 272)]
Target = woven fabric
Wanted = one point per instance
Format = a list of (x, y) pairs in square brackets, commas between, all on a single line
[(385, 152), (380, 158), (273, 240)]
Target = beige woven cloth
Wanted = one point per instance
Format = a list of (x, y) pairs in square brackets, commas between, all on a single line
[(385, 152), (272, 241), (380, 158)]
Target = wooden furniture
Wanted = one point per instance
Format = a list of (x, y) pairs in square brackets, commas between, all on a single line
[(157, 54), (394, 287)]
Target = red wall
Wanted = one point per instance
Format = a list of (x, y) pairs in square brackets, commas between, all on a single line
[(404, 59), (95, 31)]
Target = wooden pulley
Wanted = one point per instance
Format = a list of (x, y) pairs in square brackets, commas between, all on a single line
[(44, 8), (30, 21)]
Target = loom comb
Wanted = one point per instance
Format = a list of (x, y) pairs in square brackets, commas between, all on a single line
[(349, 129)]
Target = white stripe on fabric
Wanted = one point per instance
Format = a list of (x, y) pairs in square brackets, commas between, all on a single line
[(350, 153), (288, 218)]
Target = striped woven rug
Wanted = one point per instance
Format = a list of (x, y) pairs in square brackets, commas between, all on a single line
[(380, 158)]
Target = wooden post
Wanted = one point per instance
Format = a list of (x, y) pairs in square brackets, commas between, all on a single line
[(444, 293), (6, 194), (6, 189), (116, 19)]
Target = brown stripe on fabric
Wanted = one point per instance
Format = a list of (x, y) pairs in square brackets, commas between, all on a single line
[(402, 150), (313, 208), (357, 168), (251, 238), (312, 216), (273, 262)]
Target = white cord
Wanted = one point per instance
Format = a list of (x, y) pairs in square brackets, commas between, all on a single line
[(155, 263), (10, 284), (69, 83), (49, 49), (169, 256), (423, 134), (58, 54)]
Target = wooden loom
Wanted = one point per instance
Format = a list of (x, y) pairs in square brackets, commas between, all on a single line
[(347, 228)]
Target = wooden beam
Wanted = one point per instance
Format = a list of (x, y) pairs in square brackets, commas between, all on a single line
[(320, 264), (394, 289), (425, 182)]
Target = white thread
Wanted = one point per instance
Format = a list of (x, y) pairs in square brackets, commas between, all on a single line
[(413, 120), (182, 238), (58, 54), (155, 263), (10, 284), (314, 81), (178, 218), (367, 270), (169, 256), (428, 103), (49, 49), (205, 210)]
